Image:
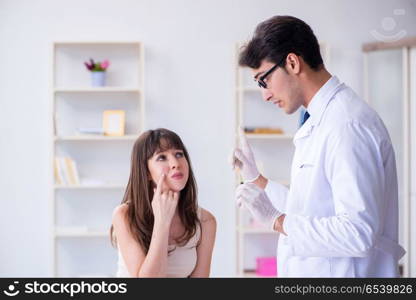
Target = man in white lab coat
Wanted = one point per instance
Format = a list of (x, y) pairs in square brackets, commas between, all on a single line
[(339, 218)]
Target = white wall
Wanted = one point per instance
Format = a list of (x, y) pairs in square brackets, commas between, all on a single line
[(189, 89)]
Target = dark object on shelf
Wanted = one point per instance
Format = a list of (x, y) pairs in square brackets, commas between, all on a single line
[(263, 130)]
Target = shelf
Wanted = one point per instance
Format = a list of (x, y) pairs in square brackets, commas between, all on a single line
[(252, 112), (98, 90), (99, 43), (96, 138), (249, 89), (77, 104), (76, 234), (286, 183), (274, 136), (252, 274), (89, 187)]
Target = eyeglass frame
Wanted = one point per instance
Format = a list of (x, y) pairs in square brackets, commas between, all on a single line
[(260, 81)]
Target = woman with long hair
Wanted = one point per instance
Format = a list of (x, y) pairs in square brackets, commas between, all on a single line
[(159, 229)]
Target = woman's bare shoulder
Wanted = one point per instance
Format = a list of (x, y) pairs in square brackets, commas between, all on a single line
[(119, 214), (207, 216)]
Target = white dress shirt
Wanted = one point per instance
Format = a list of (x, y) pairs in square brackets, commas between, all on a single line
[(342, 205)]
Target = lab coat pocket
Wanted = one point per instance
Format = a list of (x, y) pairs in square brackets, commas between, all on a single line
[(303, 169), (305, 165), (300, 186), (304, 176), (309, 266)]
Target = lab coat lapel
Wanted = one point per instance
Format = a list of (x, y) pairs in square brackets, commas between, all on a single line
[(317, 108), (303, 132)]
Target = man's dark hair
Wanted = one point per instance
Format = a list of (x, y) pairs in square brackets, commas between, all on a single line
[(278, 36)]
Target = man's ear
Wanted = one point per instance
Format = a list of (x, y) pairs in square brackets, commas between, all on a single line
[(293, 62)]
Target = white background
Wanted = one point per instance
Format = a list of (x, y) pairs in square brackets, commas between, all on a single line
[(189, 82)]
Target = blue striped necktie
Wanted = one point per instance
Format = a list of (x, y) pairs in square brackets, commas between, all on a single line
[(305, 117)]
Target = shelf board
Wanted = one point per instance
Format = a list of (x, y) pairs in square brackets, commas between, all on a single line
[(252, 274), (89, 187), (64, 233), (286, 183), (274, 136), (98, 90), (253, 230), (96, 138), (98, 42), (249, 89)]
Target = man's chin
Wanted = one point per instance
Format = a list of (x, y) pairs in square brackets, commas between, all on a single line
[(288, 111)]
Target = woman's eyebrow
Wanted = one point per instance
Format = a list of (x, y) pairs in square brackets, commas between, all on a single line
[(162, 151), (158, 151)]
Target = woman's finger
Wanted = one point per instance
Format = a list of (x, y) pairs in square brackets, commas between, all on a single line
[(175, 196), (159, 184)]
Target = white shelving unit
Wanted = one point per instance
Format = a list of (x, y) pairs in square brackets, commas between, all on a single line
[(389, 82), (273, 152), (86, 187), (96, 138), (254, 240), (81, 214)]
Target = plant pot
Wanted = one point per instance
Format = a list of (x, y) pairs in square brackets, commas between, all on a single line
[(98, 78)]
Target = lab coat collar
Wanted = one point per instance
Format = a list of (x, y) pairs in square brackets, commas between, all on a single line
[(317, 106)]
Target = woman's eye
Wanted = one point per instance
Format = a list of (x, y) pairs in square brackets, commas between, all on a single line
[(161, 157), (179, 154)]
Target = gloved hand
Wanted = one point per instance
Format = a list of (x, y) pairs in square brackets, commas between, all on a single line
[(243, 158), (257, 202)]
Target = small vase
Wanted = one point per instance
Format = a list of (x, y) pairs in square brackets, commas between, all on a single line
[(98, 78)]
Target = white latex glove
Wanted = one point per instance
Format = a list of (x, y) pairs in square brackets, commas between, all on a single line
[(257, 202), (243, 158)]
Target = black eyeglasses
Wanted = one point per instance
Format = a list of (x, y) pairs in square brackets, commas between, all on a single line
[(261, 79)]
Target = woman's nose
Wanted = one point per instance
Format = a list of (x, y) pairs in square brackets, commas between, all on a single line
[(174, 163)]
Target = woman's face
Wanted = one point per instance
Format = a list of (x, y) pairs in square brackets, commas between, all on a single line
[(173, 164)]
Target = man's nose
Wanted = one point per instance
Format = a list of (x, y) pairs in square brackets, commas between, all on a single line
[(266, 94)]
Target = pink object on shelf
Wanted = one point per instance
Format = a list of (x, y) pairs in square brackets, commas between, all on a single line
[(266, 266)]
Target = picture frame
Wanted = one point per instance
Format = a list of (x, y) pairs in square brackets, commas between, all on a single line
[(114, 122)]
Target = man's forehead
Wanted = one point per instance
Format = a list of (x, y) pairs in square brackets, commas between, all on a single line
[(264, 66)]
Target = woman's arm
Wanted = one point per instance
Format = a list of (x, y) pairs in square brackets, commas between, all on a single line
[(206, 245), (137, 263), (154, 263)]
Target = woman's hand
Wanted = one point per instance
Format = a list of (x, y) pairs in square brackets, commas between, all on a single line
[(164, 203)]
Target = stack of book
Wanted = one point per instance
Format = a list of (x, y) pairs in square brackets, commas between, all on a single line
[(66, 172), (263, 130)]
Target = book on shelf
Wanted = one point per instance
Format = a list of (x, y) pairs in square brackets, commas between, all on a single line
[(263, 130), (66, 171), (58, 173)]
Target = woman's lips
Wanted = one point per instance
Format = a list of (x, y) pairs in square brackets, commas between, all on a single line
[(177, 176)]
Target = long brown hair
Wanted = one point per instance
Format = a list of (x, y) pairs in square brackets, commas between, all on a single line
[(139, 191)]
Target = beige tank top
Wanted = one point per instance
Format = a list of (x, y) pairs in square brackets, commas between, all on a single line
[(181, 259)]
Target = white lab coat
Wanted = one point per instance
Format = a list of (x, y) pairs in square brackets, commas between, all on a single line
[(342, 205)]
